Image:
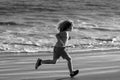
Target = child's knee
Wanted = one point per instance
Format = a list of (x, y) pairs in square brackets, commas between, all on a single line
[(69, 59), (54, 61)]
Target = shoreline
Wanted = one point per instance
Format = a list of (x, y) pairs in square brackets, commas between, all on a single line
[(71, 51)]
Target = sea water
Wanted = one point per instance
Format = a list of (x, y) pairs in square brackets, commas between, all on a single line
[(30, 25)]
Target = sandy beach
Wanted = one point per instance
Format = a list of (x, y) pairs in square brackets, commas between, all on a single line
[(104, 65)]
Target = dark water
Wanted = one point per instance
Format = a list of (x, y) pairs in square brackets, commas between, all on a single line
[(27, 25)]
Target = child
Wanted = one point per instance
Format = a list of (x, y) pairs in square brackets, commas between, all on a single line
[(59, 48)]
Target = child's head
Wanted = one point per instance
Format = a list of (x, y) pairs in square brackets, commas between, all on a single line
[(65, 26)]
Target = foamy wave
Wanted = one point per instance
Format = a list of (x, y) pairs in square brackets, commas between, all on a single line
[(48, 46)]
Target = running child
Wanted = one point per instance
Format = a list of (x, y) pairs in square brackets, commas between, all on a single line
[(59, 49)]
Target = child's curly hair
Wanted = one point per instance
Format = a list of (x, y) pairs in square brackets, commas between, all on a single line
[(64, 25)]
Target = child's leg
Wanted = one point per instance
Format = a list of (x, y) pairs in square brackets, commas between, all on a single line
[(66, 56), (56, 55), (40, 62), (70, 67), (49, 61)]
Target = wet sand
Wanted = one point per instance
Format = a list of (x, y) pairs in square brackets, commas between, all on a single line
[(104, 65)]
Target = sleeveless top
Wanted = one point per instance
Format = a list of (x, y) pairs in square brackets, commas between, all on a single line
[(62, 39)]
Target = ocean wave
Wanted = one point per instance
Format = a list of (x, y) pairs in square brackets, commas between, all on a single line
[(98, 29), (23, 44), (105, 29), (107, 40), (10, 23)]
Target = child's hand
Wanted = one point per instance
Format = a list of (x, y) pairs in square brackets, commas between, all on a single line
[(69, 38)]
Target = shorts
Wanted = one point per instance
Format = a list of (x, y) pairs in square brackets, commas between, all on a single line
[(61, 52)]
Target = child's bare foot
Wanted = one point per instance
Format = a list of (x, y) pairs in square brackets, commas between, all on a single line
[(38, 63)]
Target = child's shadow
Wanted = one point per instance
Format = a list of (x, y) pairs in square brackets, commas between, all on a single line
[(68, 78)]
